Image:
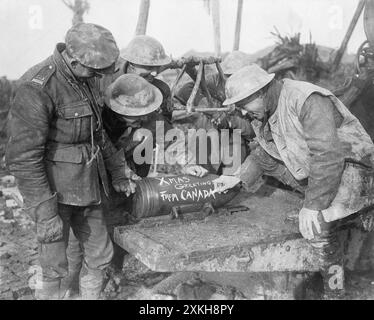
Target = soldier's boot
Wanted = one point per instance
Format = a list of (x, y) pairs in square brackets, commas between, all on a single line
[(91, 285), (48, 290), (70, 285)]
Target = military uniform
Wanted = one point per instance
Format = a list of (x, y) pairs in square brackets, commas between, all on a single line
[(310, 141), (142, 50), (57, 151)]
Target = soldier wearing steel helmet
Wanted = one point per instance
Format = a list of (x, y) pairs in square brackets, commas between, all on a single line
[(58, 151), (134, 102), (310, 141), (144, 56), (124, 117)]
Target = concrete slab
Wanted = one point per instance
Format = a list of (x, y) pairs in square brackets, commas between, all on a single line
[(262, 239)]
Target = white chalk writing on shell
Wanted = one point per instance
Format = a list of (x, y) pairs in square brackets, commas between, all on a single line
[(185, 190), (171, 197), (180, 183), (192, 185), (197, 194), (193, 195), (170, 181)]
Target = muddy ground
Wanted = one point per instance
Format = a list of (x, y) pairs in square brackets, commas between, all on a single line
[(130, 279)]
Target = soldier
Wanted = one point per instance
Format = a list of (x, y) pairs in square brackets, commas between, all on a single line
[(144, 56), (121, 123), (58, 151), (310, 141), (133, 104)]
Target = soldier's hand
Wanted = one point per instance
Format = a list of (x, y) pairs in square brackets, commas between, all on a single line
[(125, 186), (195, 170), (131, 175), (220, 120), (307, 219), (225, 183)]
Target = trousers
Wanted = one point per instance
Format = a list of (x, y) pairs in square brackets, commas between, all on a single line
[(89, 228)]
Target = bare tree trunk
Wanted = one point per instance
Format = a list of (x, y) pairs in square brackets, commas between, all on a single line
[(79, 8), (216, 26), (141, 27), (369, 21), (238, 25)]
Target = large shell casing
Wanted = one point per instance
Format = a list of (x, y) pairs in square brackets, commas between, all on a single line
[(157, 196)]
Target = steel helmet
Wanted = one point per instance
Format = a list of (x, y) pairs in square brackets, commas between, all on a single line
[(145, 51), (234, 61), (131, 95), (92, 45), (245, 82)]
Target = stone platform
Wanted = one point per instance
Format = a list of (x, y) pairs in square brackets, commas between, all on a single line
[(263, 238)]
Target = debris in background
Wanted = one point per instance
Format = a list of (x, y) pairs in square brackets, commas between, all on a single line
[(290, 59)]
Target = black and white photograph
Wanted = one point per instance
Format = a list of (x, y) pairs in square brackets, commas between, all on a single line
[(209, 151)]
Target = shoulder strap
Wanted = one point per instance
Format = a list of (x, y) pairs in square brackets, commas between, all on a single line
[(43, 75)]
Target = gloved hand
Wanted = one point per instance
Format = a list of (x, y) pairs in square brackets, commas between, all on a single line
[(125, 186), (194, 170), (307, 219), (49, 225), (122, 175)]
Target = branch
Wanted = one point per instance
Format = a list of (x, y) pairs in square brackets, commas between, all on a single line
[(68, 4), (86, 6)]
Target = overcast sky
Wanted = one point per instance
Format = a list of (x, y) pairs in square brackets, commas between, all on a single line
[(29, 29)]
